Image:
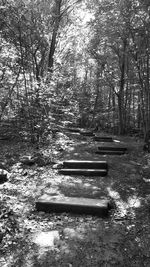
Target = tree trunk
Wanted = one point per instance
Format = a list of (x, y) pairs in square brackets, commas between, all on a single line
[(97, 94), (54, 35), (121, 91)]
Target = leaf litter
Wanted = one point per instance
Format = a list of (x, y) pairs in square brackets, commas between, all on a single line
[(120, 240)]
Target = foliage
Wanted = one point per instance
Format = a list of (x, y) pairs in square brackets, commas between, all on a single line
[(90, 59), (115, 26)]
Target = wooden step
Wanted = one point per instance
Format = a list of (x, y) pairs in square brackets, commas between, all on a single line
[(106, 148), (99, 207), (103, 139), (85, 164), (85, 172), (110, 152)]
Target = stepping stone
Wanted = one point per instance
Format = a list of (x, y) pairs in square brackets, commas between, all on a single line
[(86, 172), (104, 148), (103, 139), (46, 239), (99, 207), (79, 164), (110, 152)]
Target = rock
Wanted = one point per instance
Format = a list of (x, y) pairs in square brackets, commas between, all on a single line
[(73, 234), (58, 165), (69, 233), (46, 239), (40, 161), (27, 160), (1, 237), (3, 176), (60, 149)]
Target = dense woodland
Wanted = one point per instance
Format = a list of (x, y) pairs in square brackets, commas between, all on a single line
[(72, 74), (75, 61)]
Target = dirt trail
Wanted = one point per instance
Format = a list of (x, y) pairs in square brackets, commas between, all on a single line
[(120, 240)]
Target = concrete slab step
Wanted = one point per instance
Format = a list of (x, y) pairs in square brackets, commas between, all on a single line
[(99, 207), (103, 139), (85, 164), (110, 152), (109, 148), (87, 133), (73, 130), (85, 172)]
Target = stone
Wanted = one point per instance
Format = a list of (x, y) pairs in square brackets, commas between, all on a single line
[(112, 148), (58, 165), (86, 172), (3, 176), (74, 130), (27, 160), (73, 164), (46, 239), (69, 233), (99, 207), (110, 152), (103, 139), (87, 134)]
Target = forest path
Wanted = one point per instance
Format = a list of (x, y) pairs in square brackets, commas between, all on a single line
[(120, 240)]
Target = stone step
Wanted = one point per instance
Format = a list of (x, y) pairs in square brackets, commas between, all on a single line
[(106, 148), (87, 133), (110, 152), (99, 207), (85, 172), (103, 139), (85, 164), (73, 130)]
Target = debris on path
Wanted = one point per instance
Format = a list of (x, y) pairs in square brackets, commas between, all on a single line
[(76, 240)]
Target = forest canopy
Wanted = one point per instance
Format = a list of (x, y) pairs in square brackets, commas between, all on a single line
[(81, 61)]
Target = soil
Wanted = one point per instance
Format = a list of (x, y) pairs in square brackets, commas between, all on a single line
[(122, 239)]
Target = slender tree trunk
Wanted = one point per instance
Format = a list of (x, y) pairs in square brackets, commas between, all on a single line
[(97, 94), (148, 89), (121, 91), (54, 35)]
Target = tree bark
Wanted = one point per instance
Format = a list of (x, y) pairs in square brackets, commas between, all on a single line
[(57, 17), (121, 91)]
